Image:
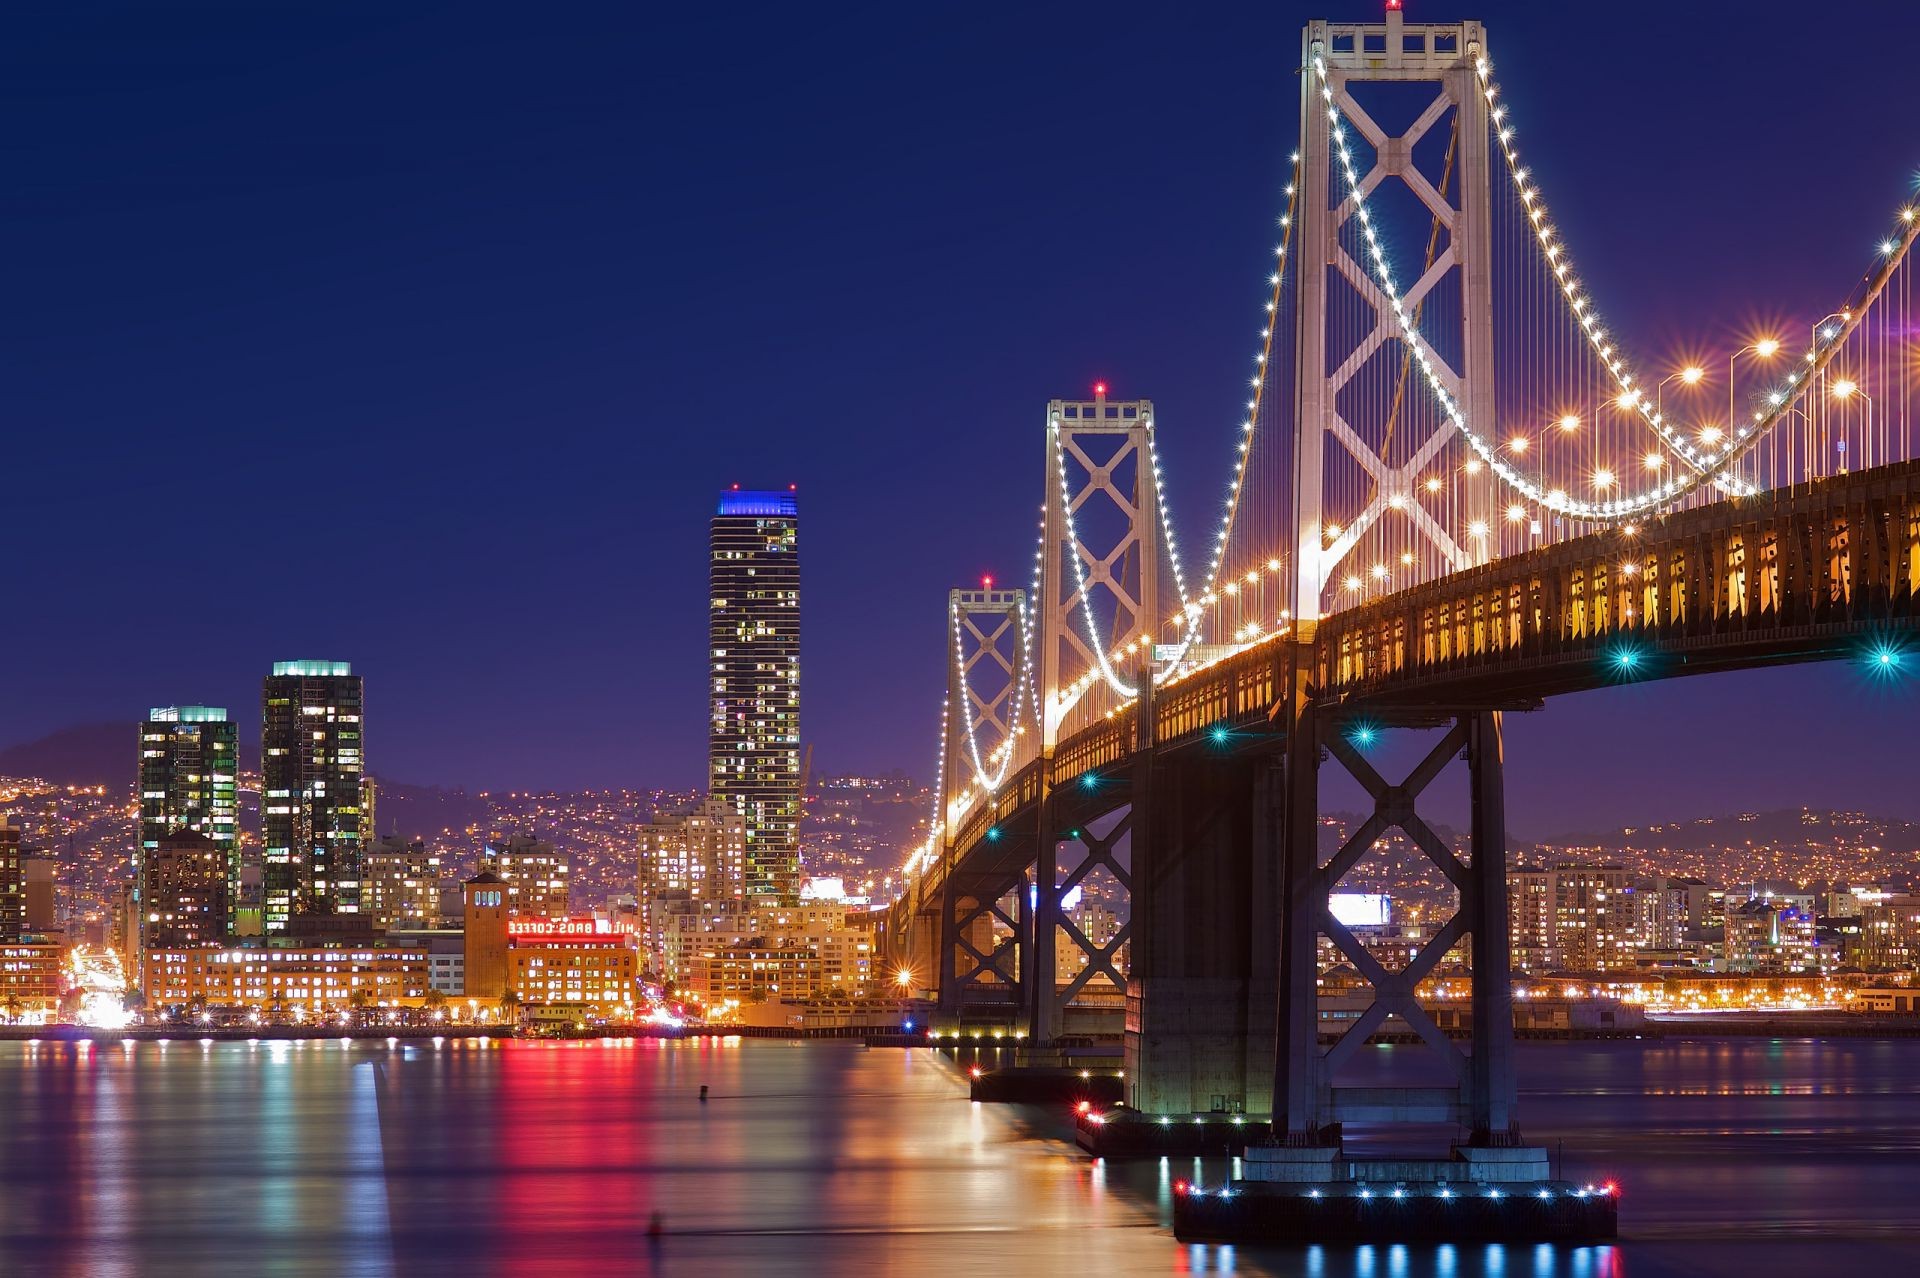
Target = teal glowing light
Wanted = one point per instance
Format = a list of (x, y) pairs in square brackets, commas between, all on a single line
[(312, 669), (993, 834), (1627, 659), (1363, 734), (1885, 660), (1090, 781), (1218, 733)]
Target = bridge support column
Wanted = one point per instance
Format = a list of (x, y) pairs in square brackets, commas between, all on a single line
[(948, 940), (1296, 1082), (1193, 906), (1490, 1107)]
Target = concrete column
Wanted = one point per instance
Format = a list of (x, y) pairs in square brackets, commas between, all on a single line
[(948, 942), (1491, 1066), (1186, 1033), (1263, 930)]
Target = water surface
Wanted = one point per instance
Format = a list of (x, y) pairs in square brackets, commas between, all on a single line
[(1739, 1157)]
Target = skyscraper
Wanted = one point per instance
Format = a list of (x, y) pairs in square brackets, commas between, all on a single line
[(189, 761), (754, 746), (310, 813)]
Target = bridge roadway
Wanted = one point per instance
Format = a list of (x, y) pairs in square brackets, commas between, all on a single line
[(1817, 571)]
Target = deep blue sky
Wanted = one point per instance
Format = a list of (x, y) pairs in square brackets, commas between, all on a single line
[(423, 336)]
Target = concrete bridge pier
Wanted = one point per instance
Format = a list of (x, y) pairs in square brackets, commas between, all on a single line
[(1199, 1021)]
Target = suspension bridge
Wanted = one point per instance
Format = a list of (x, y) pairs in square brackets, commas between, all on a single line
[(1454, 494)]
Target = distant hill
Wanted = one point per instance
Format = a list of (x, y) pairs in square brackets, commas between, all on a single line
[(91, 754), (106, 754), (1814, 826)]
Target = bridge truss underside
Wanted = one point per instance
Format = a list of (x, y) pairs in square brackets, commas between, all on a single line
[(1218, 779)]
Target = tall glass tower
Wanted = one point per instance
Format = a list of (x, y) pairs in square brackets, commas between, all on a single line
[(189, 764), (754, 747), (311, 767)]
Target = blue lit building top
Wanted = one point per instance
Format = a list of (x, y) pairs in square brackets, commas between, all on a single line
[(312, 669), (762, 502), (187, 714)]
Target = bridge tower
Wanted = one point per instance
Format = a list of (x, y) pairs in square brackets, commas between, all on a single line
[(1308, 1107), (987, 688), (1328, 379), (1099, 581)]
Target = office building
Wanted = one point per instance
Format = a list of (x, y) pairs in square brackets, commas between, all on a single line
[(582, 966), (532, 873), (286, 977), (754, 746), (312, 762), (188, 780)]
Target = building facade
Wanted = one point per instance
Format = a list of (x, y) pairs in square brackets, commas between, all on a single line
[(188, 780), (13, 882), (692, 863), (533, 874), (183, 892), (754, 659), (582, 964), (400, 883), (278, 976), (312, 765)]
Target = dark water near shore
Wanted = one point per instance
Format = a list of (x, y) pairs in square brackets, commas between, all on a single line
[(1744, 1157)]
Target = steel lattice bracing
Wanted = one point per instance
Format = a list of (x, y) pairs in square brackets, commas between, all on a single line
[(1355, 56), (979, 934)]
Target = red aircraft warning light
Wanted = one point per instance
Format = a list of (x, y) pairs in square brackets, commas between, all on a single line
[(1099, 390)]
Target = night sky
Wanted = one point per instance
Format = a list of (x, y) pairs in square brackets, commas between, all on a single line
[(424, 336)]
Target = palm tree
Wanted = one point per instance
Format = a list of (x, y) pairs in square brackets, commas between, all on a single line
[(510, 1006), (13, 1006)]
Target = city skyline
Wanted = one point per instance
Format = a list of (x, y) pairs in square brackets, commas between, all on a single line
[(429, 574)]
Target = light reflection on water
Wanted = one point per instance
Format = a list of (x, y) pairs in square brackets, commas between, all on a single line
[(326, 1157)]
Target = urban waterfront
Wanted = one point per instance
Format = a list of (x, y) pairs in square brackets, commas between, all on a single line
[(1734, 1156)]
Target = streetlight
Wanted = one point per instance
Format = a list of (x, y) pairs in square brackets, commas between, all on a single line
[(1765, 348), (1691, 375), (1844, 389)]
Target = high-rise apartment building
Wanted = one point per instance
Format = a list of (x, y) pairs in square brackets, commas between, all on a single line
[(183, 892), (754, 746), (400, 883), (312, 823), (534, 874), (692, 862), (13, 885), (699, 853), (189, 771)]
